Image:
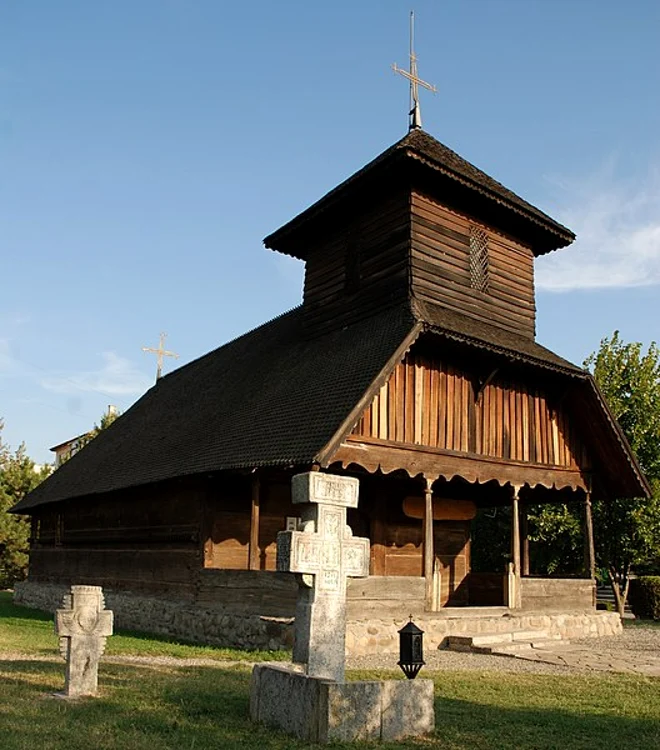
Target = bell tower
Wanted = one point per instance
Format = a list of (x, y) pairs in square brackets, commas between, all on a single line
[(420, 223)]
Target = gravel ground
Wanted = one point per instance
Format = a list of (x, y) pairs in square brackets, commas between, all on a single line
[(636, 643)]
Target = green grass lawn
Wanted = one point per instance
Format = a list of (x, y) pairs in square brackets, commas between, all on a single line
[(30, 631), (142, 707)]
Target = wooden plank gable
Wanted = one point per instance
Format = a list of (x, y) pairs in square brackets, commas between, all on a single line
[(437, 404)]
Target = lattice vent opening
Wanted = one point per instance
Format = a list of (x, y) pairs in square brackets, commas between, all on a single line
[(478, 259)]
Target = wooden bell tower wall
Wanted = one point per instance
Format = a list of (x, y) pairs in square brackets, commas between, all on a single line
[(408, 245), (358, 266), (470, 268)]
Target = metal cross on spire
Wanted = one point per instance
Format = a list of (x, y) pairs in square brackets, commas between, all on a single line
[(160, 353), (415, 81)]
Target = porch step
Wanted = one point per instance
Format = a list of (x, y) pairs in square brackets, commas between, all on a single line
[(525, 647), (511, 642)]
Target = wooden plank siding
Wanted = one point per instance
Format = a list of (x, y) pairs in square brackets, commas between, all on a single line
[(440, 269), (374, 250), (432, 403), (144, 539)]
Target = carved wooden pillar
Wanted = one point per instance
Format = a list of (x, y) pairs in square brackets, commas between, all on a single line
[(253, 560), (524, 533), (429, 554), (589, 550), (515, 600)]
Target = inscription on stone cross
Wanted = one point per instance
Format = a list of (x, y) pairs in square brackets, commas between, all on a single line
[(83, 625), (325, 553)]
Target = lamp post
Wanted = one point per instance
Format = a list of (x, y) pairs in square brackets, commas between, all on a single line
[(411, 651)]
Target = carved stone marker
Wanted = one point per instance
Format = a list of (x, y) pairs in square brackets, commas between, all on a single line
[(314, 703), (83, 626), (325, 553)]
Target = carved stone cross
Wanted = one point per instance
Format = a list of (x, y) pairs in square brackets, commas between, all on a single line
[(325, 553), (83, 626)]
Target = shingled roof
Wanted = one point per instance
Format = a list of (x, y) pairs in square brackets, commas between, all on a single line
[(270, 397), (425, 149), (498, 340), (275, 397)]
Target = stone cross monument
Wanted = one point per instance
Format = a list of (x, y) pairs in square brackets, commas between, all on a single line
[(83, 626), (324, 552)]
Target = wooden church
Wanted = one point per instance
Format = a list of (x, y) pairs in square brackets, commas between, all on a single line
[(411, 364)]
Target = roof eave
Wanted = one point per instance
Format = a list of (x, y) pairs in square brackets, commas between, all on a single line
[(281, 239), (623, 440), (324, 456)]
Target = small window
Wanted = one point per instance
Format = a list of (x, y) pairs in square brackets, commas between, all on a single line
[(478, 258)]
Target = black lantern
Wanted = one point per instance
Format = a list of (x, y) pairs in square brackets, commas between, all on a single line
[(411, 652)]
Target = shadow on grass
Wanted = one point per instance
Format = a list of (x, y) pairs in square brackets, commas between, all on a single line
[(10, 610), (140, 708), (141, 642), (464, 724)]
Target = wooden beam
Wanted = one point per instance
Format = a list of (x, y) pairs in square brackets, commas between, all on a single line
[(418, 460), (589, 549), (481, 384), (253, 559), (429, 554)]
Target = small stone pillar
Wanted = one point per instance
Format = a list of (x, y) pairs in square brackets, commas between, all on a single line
[(83, 625)]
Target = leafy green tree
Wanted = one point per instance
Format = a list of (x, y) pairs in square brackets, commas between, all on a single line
[(558, 537), (18, 476), (627, 531)]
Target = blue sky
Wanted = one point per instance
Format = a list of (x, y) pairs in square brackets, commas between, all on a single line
[(147, 147)]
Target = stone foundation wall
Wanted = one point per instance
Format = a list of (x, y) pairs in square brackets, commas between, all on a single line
[(381, 636), (369, 635), (198, 624)]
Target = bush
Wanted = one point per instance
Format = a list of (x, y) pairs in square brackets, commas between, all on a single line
[(644, 597)]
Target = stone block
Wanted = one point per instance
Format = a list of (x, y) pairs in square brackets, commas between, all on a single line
[(317, 710), (350, 711), (315, 487), (287, 699), (407, 709)]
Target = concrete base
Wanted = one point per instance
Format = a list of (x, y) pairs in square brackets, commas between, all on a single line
[(317, 710)]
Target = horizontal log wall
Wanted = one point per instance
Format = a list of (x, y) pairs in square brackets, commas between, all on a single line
[(172, 571), (144, 539), (431, 403), (441, 269), (360, 268), (249, 592), (554, 593)]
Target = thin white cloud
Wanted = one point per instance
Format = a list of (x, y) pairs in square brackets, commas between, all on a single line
[(117, 377), (7, 362), (618, 235)]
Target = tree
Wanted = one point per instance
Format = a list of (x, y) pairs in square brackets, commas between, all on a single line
[(627, 531), (106, 420), (18, 476)]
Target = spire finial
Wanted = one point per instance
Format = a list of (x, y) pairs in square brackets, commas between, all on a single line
[(415, 81)]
